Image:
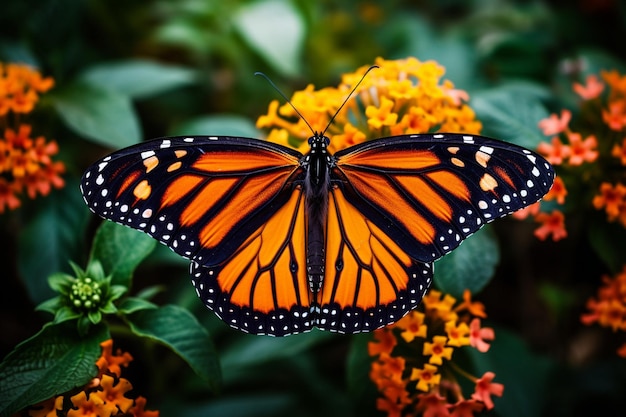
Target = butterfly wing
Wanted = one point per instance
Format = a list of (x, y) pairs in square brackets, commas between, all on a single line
[(234, 206), (399, 203), (429, 192), (370, 280), (261, 288)]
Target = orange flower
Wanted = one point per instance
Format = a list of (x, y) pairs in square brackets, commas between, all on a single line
[(386, 343), (138, 409), (615, 117), (553, 223), (479, 336), (612, 198), (556, 152), (433, 405), (467, 408), (592, 88), (558, 191), (619, 151), (475, 308), (110, 362), (582, 150), (554, 124), (485, 389), (8, 196)]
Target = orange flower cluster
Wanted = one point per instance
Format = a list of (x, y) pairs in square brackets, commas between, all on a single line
[(26, 165), (400, 97), (104, 396), (571, 150), (609, 308), (414, 371), (20, 86)]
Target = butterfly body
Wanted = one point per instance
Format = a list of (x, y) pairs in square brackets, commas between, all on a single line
[(282, 242)]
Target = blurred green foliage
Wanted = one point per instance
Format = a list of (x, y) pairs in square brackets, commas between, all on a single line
[(127, 71)]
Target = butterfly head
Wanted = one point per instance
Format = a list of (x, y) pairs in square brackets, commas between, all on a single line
[(319, 140)]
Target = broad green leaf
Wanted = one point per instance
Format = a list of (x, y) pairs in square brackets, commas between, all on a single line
[(138, 78), (179, 330), (512, 113), (103, 116), (120, 250), (52, 362), (222, 124), (470, 266), (50, 240), (275, 30)]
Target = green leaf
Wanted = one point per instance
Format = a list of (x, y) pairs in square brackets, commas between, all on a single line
[(138, 78), (512, 113), (50, 239), (133, 304), (275, 30), (470, 266), (360, 386), (179, 330), (221, 124), (52, 362), (120, 250), (64, 314), (51, 305), (103, 116)]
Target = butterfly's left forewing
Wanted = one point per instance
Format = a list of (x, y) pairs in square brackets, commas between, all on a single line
[(200, 196)]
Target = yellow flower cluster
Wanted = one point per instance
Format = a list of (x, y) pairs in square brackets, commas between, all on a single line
[(404, 96), (414, 369)]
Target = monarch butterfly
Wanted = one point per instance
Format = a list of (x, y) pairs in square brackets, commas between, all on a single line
[(282, 242)]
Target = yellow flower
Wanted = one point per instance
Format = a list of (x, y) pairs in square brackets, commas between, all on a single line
[(404, 96), (437, 350), (426, 377)]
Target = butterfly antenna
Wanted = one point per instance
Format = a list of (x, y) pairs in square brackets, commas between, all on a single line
[(286, 99), (348, 98)]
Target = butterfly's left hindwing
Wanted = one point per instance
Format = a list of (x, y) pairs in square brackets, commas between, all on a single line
[(262, 287), (430, 192)]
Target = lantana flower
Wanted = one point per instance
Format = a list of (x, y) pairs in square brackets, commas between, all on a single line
[(26, 164)]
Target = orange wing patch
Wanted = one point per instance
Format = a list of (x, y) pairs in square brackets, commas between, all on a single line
[(357, 250), (370, 281), (256, 275), (392, 159)]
